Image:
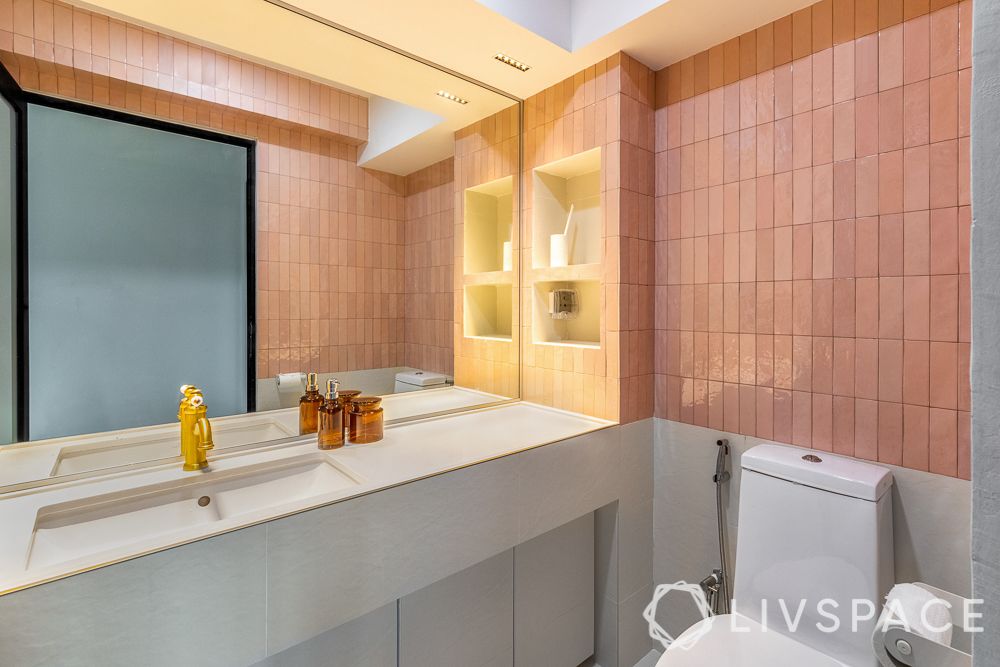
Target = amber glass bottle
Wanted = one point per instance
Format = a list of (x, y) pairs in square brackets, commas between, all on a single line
[(309, 406), (346, 397), (366, 420), (331, 419)]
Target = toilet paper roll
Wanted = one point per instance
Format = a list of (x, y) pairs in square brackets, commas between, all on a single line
[(558, 250), (508, 256), (291, 382), (925, 614)]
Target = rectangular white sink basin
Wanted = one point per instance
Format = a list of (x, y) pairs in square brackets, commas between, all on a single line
[(68, 531), (162, 443)]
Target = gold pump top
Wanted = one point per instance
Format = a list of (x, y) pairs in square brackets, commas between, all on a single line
[(332, 385), (312, 383)]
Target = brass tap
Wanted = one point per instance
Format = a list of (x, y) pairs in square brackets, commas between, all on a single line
[(196, 430)]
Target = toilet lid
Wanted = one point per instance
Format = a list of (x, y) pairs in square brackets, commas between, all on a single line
[(737, 641)]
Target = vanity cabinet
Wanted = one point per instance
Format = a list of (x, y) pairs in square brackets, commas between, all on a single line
[(530, 606)]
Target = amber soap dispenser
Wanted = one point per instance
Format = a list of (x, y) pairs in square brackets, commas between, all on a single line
[(309, 406), (331, 419)]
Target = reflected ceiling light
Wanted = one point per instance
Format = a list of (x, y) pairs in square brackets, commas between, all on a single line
[(513, 62), (454, 98)]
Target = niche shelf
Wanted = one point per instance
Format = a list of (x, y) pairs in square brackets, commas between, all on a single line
[(582, 331), (487, 311), (489, 215), (574, 182)]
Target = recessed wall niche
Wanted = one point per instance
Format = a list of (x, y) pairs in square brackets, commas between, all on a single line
[(571, 185)]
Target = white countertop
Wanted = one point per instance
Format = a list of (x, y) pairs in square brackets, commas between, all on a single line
[(38, 460), (409, 452)]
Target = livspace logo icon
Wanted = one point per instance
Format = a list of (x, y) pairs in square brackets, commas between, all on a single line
[(932, 618), (689, 639)]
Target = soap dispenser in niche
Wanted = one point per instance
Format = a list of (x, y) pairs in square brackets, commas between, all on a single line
[(331, 419), (309, 406)]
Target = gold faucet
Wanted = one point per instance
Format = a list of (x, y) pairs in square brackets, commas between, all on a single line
[(196, 430)]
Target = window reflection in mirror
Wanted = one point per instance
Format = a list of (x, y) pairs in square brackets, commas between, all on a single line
[(205, 218)]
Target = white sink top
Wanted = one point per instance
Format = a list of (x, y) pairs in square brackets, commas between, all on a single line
[(69, 526), (68, 531)]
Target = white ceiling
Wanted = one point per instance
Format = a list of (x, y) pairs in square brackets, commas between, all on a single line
[(461, 35), (464, 35)]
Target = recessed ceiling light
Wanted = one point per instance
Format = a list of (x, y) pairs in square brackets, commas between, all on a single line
[(513, 62), (454, 98)]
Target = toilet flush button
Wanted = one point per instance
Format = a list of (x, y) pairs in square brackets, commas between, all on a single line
[(812, 458)]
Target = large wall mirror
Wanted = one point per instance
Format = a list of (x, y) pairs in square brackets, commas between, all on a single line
[(180, 204)]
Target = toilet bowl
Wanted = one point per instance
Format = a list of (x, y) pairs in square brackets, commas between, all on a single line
[(815, 534), (417, 380)]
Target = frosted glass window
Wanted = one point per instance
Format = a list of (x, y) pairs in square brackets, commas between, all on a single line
[(8, 319), (137, 273)]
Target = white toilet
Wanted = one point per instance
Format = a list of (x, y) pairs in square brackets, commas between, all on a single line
[(812, 526)]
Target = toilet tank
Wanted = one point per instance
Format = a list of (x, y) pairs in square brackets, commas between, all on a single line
[(815, 533)]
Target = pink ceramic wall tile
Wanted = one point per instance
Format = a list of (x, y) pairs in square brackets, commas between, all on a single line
[(844, 130), (802, 87), (916, 307), (943, 441), (843, 425), (944, 44), (944, 102), (866, 429), (867, 186), (866, 59), (802, 140), (943, 375), (843, 72), (822, 140), (890, 433), (916, 113), (802, 418), (916, 49), (890, 182), (916, 370), (965, 34), (915, 437), (890, 57), (916, 243), (943, 170), (890, 120), (944, 308)]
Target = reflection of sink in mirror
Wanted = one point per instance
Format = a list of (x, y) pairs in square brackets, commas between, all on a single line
[(71, 530), (100, 453)]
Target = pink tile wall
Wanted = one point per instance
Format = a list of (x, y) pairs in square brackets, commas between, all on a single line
[(429, 263), (812, 238)]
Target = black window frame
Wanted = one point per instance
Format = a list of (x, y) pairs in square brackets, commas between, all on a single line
[(19, 99)]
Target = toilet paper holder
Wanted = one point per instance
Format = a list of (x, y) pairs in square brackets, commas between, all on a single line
[(898, 647)]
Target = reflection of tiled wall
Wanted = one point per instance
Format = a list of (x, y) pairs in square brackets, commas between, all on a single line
[(484, 151), (330, 251), (607, 105), (429, 261), (813, 229)]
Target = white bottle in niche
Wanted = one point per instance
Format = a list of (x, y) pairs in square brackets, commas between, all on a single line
[(508, 256), (560, 244)]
